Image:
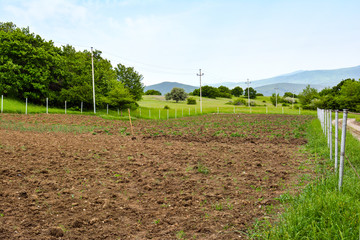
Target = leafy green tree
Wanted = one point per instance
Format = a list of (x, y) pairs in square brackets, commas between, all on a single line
[(290, 95), (119, 97), (176, 94), (131, 80), (252, 92), (152, 92), (210, 92), (237, 91), (308, 97), (273, 99)]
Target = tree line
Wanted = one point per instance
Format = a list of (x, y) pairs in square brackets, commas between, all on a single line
[(33, 68), (345, 95)]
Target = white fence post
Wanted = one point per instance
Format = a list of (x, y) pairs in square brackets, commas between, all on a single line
[(342, 150), (2, 103), (159, 114), (65, 107), (336, 138), (26, 105), (47, 105), (266, 110), (140, 111), (81, 106), (107, 109), (175, 113), (167, 113), (330, 135)]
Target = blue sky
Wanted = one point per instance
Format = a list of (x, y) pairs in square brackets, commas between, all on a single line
[(169, 40)]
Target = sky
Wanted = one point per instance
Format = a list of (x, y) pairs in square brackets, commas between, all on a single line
[(229, 40)]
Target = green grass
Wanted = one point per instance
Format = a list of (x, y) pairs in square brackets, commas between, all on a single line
[(152, 107), (320, 211)]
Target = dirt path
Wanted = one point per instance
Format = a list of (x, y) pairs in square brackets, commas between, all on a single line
[(353, 126)]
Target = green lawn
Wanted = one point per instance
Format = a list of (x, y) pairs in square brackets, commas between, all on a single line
[(152, 107)]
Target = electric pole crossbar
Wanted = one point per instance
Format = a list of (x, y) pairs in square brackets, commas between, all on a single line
[(200, 75)]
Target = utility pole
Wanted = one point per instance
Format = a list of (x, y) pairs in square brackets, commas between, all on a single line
[(276, 95), (93, 80), (248, 83), (200, 74)]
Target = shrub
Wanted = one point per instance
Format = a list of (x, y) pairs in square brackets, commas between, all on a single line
[(191, 101), (166, 107), (239, 101)]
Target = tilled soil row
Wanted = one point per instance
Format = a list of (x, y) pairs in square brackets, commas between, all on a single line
[(59, 185)]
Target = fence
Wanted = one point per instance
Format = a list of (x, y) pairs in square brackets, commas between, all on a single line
[(325, 117), (151, 113)]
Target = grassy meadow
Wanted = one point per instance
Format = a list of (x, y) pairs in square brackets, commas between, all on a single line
[(153, 107)]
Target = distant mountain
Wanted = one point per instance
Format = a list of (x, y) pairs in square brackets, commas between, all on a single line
[(325, 78), (268, 90), (290, 82), (166, 87)]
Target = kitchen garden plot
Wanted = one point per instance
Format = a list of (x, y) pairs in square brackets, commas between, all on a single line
[(207, 177)]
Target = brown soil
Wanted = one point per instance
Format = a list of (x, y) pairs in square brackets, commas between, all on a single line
[(83, 177)]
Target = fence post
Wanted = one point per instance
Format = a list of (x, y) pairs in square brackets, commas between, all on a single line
[(2, 103), (107, 109), (159, 114), (149, 113), (26, 105), (336, 138), (234, 109), (140, 111), (182, 112), (328, 129), (266, 109), (167, 113), (218, 110), (118, 111), (47, 105), (342, 150), (65, 107), (299, 110), (250, 109), (330, 135), (282, 108), (189, 111)]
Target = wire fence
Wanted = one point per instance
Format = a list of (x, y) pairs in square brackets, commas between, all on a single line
[(325, 117), (147, 112)]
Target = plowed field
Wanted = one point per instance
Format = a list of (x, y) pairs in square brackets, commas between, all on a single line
[(83, 177)]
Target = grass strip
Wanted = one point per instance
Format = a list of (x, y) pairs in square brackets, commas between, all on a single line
[(320, 211)]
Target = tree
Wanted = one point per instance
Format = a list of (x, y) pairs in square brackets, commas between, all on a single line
[(119, 97), (210, 92), (308, 97), (237, 91), (290, 95), (275, 100), (131, 80), (252, 93), (152, 92), (176, 94)]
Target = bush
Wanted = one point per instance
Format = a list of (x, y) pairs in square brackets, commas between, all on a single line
[(259, 94), (239, 101), (166, 107), (191, 101), (152, 92)]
